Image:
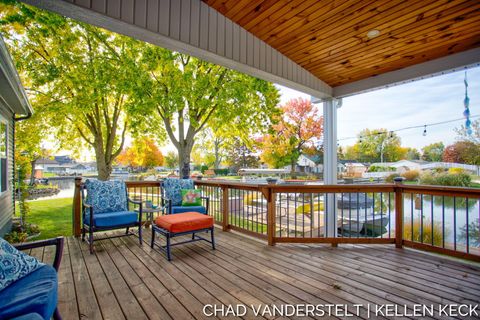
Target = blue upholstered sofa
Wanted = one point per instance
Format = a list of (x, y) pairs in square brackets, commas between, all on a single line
[(34, 296)]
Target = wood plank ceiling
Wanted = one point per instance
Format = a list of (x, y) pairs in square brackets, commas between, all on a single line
[(329, 37)]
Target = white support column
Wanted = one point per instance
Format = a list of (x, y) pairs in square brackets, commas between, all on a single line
[(330, 163)]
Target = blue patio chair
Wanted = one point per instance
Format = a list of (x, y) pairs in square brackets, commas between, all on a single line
[(172, 196), (106, 207)]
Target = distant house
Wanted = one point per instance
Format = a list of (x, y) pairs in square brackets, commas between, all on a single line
[(78, 169), (14, 106), (308, 164)]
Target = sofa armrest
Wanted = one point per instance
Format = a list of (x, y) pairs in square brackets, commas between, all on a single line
[(57, 242)]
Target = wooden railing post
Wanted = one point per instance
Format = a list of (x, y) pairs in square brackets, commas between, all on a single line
[(77, 208), (225, 209), (398, 212), (271, 199)]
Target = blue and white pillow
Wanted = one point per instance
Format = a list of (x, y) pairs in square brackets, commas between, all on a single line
[(173, 189), (106, 196), (14, 264)]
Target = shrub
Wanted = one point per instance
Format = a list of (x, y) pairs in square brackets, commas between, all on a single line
[(411, 175), (446, 179), (427, 232), (381, 169), (456, 170), (221, 172), (390, 178)]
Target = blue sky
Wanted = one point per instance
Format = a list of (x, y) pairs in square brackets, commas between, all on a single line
[(421, 102)]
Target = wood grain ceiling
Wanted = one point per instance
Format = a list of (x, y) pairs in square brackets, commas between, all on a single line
[(329, 37)]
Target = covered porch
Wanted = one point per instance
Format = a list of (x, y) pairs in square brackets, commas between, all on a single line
[(124, 280)]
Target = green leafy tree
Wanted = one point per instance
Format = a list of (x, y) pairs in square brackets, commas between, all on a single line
[(240, 155), (372, 144), (78, 78), (171, 159), (433, 152), (187, 95), (462, 152)]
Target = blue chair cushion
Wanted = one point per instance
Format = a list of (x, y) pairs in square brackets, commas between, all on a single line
[(112, 219), (106, 196), (29, 316), (14, 264), (35, 293), (172, 188), (180, 209)]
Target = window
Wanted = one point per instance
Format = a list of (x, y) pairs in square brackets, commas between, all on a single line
[(3, 155)]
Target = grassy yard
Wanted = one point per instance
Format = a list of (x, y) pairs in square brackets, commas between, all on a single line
[(53, 216)]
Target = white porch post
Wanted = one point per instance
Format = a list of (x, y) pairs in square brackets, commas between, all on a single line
[(330, 163)]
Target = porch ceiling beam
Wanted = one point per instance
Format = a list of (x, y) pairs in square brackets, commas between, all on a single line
[(451, 63), (194, 28)]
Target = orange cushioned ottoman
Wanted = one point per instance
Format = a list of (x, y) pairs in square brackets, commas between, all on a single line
[(179, 224), (183, 222)]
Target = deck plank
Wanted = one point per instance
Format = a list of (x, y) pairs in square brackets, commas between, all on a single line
[(87, 301), (125, 280)]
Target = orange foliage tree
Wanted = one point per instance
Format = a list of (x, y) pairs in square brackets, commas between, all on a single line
[(142, 154), (300, 126)]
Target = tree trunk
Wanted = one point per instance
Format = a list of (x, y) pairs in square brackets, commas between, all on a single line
[(216, 164), (293, 172), (32, 174), (184, 162), (104, 167)]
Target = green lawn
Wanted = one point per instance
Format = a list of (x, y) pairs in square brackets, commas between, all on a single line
[(53, 216)]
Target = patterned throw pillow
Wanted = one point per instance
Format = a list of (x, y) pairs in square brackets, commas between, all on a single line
[(14, 264), (191, 197), (106, 196), (173, 189)]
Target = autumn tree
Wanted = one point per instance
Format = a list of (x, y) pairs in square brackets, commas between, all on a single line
[(187, 95), (433, 152), (474, 136), (78, 77), (299, 126), (462, 152), (143, 154), (239, 155)]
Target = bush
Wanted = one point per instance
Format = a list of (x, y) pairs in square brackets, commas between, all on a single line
[(411, 175), (381, 169), (221, 172), (427, 232), (390, 178), (456, 170), (446, 179)]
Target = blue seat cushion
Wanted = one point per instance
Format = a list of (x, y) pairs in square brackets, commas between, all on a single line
[(34, 293), (179, 209), (112, 219), (29, 316)]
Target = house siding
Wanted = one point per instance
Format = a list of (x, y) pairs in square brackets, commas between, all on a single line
[(6, 198)]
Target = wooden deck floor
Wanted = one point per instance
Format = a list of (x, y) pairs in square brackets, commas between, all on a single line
[(123, 280)]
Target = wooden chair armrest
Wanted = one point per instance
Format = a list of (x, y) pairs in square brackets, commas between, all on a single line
[(57, 242)]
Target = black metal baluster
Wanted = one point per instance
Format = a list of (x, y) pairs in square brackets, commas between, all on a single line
[(443, 221), (411, 215), (455, 223), (431, 216), (466, 226), (421, 218)]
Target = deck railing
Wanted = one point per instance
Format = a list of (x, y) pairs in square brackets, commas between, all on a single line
[(439, 219)]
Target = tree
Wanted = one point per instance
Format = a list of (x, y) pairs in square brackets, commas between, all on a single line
[(143, 154), (187, 95), (171, 159), (239, 155), (376, 145), (78, 78), (474, 136), (412, 154), (462, 152), (299, 126), (433, 152)]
